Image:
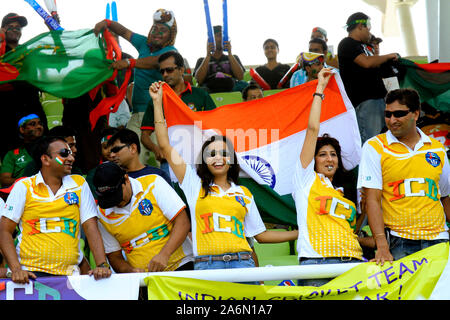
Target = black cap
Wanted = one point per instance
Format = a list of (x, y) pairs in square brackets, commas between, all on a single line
[(108, 180), (11, 17)]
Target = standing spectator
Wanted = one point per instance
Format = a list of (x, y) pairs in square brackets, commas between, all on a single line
[(361, 74), (218, 72), (49, 209), (316, 45), (405, 177), (145, 218), (326, 219), (17, 98), (375, 44), (321, 34), (160, 39), (171, 66), (16, 161), (273, 71), (124, 149)]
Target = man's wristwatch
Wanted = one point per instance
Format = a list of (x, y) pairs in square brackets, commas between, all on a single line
[(321, 95), (103, 265)]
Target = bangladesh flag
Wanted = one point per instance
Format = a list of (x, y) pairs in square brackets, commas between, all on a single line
[(267, 135), (66, 64), (431, 80)]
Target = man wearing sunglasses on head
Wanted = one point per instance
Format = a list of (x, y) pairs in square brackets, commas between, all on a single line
[(405, 178), (362, 75), (171, 67), (50, 208)]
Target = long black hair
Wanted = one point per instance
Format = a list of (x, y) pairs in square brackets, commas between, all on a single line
[(202, 168)]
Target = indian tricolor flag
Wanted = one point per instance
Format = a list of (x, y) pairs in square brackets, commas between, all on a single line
[(267, 135)]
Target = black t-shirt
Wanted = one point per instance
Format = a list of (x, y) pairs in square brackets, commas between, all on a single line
[(273, 77), (360, 83)]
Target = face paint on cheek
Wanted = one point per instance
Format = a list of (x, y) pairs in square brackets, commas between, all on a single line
[(59, 160)]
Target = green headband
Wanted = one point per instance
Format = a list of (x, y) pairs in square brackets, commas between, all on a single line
[(363, 21)]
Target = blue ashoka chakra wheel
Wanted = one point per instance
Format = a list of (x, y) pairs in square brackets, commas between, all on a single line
[(262, 168)]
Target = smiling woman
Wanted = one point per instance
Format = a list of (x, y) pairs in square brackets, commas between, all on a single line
[(223, 213)]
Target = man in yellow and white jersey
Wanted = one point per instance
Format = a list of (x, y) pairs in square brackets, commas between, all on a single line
[(49, 208), (145, 219), (405, 177)]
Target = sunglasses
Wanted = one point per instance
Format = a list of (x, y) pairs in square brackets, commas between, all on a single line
[(222, 153), (168, 70), (64, 152), (118, 148), (396, 114)]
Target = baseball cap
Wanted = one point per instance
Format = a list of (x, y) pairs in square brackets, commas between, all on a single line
[(108, 180), (11, 17)]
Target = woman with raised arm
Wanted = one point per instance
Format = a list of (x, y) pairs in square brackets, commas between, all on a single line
[(326, 219), (223, 213)]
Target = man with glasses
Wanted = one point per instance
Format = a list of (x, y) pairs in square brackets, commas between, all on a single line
[(17, 98), (160, 39), (15, 161), (361, 74), (405, 178), (171, 66), (49, 208), (124, 150)]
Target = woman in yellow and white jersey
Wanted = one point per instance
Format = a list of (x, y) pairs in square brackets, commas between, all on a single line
[(223, 213), (326, 219)]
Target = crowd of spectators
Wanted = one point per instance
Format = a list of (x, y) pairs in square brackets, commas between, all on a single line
[(100, 178)]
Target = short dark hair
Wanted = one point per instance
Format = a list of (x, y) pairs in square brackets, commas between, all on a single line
[(356, 16), (406, 96), (126, 136), (62, 131), (270, 40), (251, 86), (321, 42), (179, 61), (41, 147), (202, 168)]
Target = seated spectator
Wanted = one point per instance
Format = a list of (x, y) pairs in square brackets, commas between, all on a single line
[(105, 135), (316, 45), (125, 149), (252, 92), (145, 218), (15, 161), (273, 71), (49, 209), (218, 72), (18, 98), (171, 66), (59, 131)]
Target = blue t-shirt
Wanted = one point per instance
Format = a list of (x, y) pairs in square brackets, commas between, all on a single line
[(150, 170), (143, 78)]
